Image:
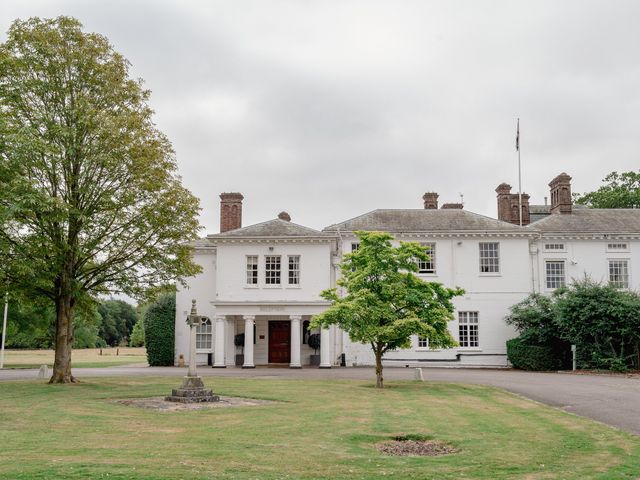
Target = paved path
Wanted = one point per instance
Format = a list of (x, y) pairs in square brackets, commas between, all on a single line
[(614, 400)]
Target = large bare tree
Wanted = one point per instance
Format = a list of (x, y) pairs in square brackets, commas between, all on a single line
[(90, 199)]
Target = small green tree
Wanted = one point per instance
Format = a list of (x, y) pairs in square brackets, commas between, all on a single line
[(621, 190), (385, 303), (137, 334), (159, 330)]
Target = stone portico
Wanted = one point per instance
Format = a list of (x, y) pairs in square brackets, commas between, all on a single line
[(275, 333)]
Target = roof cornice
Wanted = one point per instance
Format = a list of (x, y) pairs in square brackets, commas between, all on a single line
[(270, 239)]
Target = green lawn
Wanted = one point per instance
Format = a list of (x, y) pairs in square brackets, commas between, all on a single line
[(321, 429), (82, 357)]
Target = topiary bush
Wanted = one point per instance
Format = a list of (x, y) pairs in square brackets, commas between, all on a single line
[(314, 342), (159, 330), (525, 356)]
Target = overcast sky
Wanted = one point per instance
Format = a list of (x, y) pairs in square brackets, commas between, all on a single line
[(329, 109)]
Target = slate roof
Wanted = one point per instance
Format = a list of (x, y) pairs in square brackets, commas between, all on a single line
[(272, 228), (202, 243), (591, 220), (424, 220)]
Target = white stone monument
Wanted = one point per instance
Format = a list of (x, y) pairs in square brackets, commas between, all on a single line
[(192, 389)]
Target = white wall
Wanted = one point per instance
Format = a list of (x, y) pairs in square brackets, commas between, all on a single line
[(231, 275), (588, 256), (202, 289), (491, 295), (457, 265)]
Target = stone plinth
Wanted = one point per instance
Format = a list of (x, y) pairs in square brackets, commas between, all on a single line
[(192, 391)]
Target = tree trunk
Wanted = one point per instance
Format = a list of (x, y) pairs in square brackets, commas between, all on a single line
[(64, 340), (379, 379)]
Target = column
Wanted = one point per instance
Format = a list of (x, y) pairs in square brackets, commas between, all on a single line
[(218, 354), (295, 341), (192, 351), (248, 341), (325, 348)]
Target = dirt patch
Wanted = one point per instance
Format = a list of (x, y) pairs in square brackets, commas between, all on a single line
[(414, 446), (161, 405)]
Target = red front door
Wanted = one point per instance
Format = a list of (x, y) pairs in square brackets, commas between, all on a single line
[(279, 341)]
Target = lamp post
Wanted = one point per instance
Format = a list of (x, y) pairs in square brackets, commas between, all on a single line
[(4, 329)]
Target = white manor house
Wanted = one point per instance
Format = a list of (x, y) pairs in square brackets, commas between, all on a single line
[(265, 280)]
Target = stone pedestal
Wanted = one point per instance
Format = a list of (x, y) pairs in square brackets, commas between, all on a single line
[(192, 390)]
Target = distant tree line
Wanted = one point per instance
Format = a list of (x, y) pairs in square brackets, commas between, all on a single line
[(96, 324)]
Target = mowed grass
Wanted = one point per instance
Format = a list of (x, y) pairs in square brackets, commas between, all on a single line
[(318, 429), (85, 357)]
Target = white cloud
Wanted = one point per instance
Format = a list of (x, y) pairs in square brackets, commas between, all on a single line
[(328, 109)]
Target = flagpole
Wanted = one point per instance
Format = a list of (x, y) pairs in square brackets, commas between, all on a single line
[(519, 175)]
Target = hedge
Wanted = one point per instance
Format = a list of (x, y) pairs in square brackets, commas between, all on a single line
[(159, 331), (532, 357)]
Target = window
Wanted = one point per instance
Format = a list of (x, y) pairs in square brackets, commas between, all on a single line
[(294, 269), (489, 257), (468, 329), (252, 269), (430, 265), (555, 273), (203, 335), (272, 269), (554, 247), (305, 332), (619, 273), (617, 246), (423, 342), (354, 247)]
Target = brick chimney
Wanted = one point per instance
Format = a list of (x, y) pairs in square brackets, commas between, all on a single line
[(230, 211), (508, 206), (430, 201), (453, 206), (504, 202), (561, 194), (284, 216)]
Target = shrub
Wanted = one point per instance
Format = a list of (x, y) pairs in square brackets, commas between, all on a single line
[(159, 330), (603, 322), (314, 342), (137, 334), (532, 357)]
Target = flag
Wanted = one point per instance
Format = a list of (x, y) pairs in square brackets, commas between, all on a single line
[(518, 137)]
